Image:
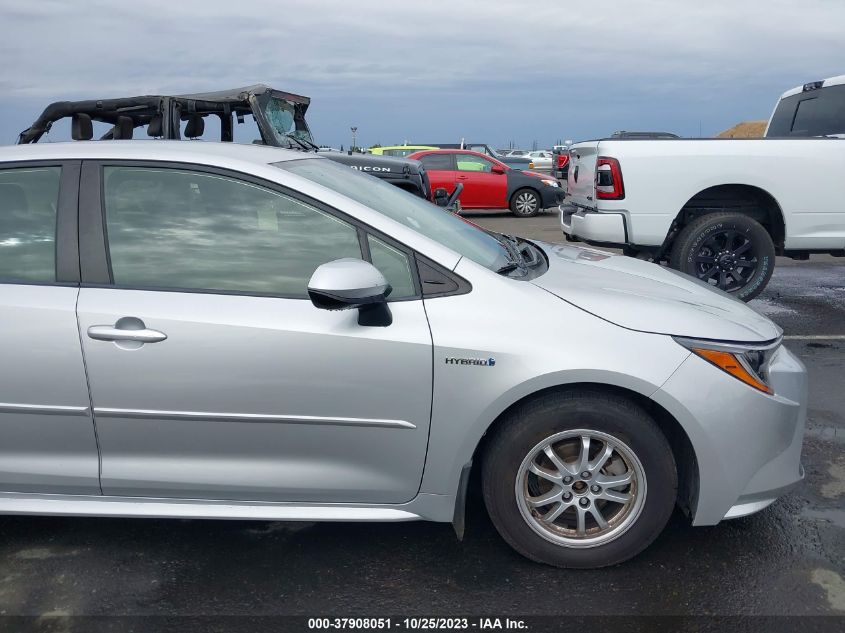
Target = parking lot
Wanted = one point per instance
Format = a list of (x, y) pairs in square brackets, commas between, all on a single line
[(787, 560)]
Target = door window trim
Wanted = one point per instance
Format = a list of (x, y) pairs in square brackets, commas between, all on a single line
[(94, 260), (66, 244)]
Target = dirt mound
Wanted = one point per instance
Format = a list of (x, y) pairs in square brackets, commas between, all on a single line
[(746, 129)]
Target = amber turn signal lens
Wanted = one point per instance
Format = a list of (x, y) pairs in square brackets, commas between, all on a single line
[(729, 363)]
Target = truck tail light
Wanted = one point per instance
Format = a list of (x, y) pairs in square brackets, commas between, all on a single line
[(609, 185), (562, 159)]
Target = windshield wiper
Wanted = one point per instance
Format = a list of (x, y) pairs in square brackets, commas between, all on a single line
[(507, 268), (291, 137), (515, 259), (525, 250), (511, 247), (308, 145)]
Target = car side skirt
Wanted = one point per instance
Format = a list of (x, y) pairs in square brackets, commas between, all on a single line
[(423, 507)]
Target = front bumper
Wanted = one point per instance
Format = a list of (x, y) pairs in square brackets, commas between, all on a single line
[(747, 444), (750, 504), (593, 226), (551, 196)]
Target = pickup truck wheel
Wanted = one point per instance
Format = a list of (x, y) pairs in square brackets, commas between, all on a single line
[(730, 251), (525, 203), (579, 479)]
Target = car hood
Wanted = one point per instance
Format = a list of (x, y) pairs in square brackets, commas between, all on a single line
[(537, 174), (390, 164), (647, 297)]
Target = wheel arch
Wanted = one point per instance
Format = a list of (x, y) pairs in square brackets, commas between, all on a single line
[(750, 200), (679, 440), (520, 188)]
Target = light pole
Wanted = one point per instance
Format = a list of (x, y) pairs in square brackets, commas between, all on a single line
[(354, 139)]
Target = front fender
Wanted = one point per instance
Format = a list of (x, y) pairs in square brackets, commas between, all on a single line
[(447, 456)]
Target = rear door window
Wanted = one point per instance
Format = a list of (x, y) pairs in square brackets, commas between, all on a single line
[(437, 162), (28, 202)]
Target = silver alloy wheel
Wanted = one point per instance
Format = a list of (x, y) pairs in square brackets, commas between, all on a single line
[(580, 488), (526, 203)]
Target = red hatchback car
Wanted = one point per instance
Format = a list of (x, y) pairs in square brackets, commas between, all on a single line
[(489, 183)]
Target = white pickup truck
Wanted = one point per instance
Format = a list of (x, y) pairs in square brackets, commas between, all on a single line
[(720, 209)]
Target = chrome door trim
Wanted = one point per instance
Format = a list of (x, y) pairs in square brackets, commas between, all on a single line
[(104, 506), (250, 417), (43, 409)]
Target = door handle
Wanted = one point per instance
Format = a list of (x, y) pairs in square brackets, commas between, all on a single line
[(126, 329), (462, 177)]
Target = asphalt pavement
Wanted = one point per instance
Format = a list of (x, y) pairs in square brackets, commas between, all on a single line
[(786, 560)]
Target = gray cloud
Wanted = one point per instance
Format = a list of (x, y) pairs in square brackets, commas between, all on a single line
[(469, 51)]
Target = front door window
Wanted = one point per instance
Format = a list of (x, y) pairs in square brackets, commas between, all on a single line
[(180, 229)]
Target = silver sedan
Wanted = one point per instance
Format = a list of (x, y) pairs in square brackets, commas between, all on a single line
[(206, 330)]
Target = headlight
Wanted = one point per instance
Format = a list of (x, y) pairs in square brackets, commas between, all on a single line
[(551, 183), (746, 362)]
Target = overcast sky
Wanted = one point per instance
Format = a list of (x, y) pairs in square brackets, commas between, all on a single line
[(491, 71)]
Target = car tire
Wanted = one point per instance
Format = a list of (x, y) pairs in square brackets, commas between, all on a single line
[(561, 421), (714, 247), (526, 203)]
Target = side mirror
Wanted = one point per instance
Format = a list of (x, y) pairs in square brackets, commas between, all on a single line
[(496, 169), (349, 283), (441, 197)]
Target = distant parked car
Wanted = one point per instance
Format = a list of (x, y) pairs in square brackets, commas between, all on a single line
[(517, 162), (516, 152), (399, 151), (541, 159), (489, 183)]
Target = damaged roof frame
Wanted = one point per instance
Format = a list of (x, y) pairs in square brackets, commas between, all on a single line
[(163, 113)]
